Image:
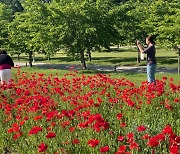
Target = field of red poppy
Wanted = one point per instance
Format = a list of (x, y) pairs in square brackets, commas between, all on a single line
[(88, 115)]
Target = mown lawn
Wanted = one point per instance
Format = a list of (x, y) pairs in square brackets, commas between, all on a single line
[(121, 57), (136, 78)]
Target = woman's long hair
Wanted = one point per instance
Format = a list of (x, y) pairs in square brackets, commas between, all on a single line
[(2, 51), (151, 39)]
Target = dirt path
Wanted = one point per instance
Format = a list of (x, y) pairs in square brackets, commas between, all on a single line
[(105, 68)]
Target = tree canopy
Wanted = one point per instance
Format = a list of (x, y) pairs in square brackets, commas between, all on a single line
[(5, 19), (80, 26), (15, 5)]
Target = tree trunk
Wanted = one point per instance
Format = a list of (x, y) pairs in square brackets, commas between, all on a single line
[(49, 57), (138, 57), (179, 60), (83, 62), (89, 54), (30, 58), (34, 58), (118, 46), (18, 56)]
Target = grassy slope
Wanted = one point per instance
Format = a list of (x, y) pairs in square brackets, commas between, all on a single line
[(122, 57), (136, 78)]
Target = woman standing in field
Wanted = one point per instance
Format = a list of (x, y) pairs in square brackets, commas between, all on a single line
[(151, 59), (6, 63)]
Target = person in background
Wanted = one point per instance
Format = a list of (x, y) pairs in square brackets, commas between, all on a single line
[(151, 59), (6, 63)]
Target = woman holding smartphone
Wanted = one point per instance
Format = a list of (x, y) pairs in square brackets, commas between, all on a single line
[(151, 59)]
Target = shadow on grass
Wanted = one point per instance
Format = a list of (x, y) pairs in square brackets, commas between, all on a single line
[(167, 60), (120, 60), (125, 61), (103, 72), (88, 71), (112, 60), (43, 59), (117, 50)]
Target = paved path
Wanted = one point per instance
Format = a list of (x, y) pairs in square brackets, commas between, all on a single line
[(107, 68)]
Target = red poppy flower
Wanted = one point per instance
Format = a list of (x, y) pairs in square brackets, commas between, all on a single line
[(83, 125), (76, 141), (120, 138), (35, 130), (130, 136), (123, 125), (176, 100), (119, 116), (141, 128), (37, 117), (146, 136), (99, 100), (122, 149), (17, 135), (153, 142), (65, 123), (50, 135), (26, 118), (168, 106), (177, 139), (15, 127), (21, 123), (27, 92), (72, 129), (164, 78), (53, 124), (51, 115), (18, 117), (160, 137), (42, 147), (133, 145), (93, 142), (167, 130), (173, 150), (10, 130), (104, 149), (130, 103)]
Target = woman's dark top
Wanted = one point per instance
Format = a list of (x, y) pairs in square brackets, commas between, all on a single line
[(150, 51), (6, 62)]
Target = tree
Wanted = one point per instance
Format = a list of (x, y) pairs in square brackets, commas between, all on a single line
[(29, 31), (163, 21), (83, 25), (128, 22), (15, 5), (5, 18), (119, 1)]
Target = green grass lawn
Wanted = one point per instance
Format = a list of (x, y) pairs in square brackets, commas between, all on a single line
[(137, 78), (122, 57)]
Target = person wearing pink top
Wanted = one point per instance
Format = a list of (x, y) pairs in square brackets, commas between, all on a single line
[(6, 63)]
